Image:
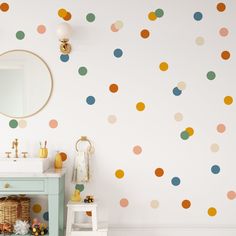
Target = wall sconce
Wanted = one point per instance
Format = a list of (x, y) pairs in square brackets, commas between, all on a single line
[(64, 31)]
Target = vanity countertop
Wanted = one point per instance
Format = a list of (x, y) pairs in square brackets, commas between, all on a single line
[(50, 173)]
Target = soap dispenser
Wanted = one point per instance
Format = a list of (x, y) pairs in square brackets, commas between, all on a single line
[(58, 161)]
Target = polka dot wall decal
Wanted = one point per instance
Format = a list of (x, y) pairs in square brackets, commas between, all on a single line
[(181, 85), (64, 57), (223, 32), (159, 172), (68, 16), (137, 150), (200, 41), (176, 91), (113, 88), (36, 208), (145, 33), (118, 52), (83, 70), (212, 211), (90, 100), (220, 7), (221, 128), (152, 16), (159, 12), (140, 106), (124, 202), (190, 131), (63, 156), (175, 181), (186, 204), (41, 29), (215, 169), (79, 187), (225, 55), (62, 12), (211, 75), (178, 116), (4, 7), (184, 135), (90, 17), (20, 35), (119, 174), (215, 147), (45, 216), (13, 123), (53, 124), (154, 204), (22, 123), (163, 66), (231, 195), (89, 213), (228, 100), (198, 16), (112, 119), (113, 28)]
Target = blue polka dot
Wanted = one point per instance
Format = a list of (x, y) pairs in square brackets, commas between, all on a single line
[(45, 216), (215, 169), (118, 52), (90, 100), (177, 91), (197, 16), (64, 57), (175, 181)]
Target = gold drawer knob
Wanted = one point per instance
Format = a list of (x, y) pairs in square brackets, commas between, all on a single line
[(6, 185)]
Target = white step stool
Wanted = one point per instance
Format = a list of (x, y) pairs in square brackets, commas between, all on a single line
[(83, 229)]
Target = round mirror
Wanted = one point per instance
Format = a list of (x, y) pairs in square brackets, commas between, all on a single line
[(25, 83)]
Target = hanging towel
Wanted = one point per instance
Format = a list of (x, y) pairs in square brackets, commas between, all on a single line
[(81, 167)]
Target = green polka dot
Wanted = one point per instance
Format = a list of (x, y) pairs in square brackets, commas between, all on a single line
[(211, 75), (184, 135), (13, 124), (90, 17), (20, 35), (159, 12), (83, 70), (79, 187)]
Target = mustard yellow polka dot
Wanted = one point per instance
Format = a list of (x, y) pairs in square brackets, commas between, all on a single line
[(212, 211), (228, 100), (119, 174), (140, 106), (164, 66), (62, 12), (36, 208), (190, 131), (152, 16)]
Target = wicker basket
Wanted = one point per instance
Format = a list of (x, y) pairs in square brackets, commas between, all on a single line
[(14, 208)]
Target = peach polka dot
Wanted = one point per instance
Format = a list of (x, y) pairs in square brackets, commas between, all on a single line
[(221, 128), (137, 150), (53, 124), (231, 195), (124, 202), (41, 29)]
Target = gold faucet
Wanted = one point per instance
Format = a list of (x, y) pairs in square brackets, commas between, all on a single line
[(15, 145)]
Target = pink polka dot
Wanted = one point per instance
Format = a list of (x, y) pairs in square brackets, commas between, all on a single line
[(221, 128), (53, 124), (231, 195), (137, 150), (113, 28), (124, 202), (41, 29), (223, 32)]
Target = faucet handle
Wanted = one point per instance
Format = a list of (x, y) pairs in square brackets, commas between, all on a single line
[(24, 154), (8, 154)]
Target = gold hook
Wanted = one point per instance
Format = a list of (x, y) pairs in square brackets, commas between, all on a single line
[(83, 138)]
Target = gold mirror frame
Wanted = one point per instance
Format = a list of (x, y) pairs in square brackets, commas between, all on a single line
[(51, 80)]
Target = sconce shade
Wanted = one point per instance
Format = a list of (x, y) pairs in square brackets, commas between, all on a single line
[(64, 32)]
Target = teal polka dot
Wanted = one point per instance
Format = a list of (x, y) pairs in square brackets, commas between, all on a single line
[(79, 187), (90, 100), (45, 216), (215, 169), (83, 70), (20, 35), (184, 135), (175, 181), (90, 17), (159, 12), (13, 124), (64, 57), (211, 75)]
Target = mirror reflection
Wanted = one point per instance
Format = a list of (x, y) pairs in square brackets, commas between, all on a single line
[(25, 83)]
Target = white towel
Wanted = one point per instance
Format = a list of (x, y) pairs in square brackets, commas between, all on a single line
[(81, 171)]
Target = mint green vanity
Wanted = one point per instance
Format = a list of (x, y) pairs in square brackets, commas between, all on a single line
[(50, 183)]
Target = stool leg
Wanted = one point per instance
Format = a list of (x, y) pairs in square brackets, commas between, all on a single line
[(94, 219), (70, 221)]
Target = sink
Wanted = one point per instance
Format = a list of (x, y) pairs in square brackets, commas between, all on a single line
[(24, 165)]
